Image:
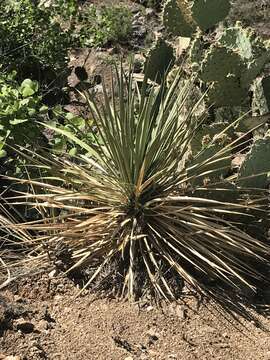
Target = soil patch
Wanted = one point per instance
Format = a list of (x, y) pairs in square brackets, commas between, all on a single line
[(41, 319)]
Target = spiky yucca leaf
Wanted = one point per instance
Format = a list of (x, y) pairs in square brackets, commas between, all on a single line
[(133, 198)]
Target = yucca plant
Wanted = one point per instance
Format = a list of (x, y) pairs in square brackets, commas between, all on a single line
[(136, 199)]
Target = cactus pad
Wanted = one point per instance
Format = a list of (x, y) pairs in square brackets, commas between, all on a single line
[(210, 168), (207, 13), (266, 90), (227, 92), (219, 63), (256, 162), (214, 132), (176, 21), (160, 58)]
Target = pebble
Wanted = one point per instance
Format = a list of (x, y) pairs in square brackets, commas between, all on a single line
[(180, 312), (153, 334), (149, 12), (52, 274), (42, 325), (24, 326)]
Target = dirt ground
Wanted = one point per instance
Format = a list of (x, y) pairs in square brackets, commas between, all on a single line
[(42, 319)]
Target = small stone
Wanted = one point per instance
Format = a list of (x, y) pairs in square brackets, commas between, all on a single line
[(172, 356), (153, 336), (112, 51), (58, 298), (56, 356), (11, 357), (152, 352), (128, 358), (180, 312), (42, 325), (149, 308), (143, 357), (149, 12), (24, 326), (52, 274)]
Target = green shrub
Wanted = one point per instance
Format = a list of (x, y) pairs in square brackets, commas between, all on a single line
[(20, 106), (32, 38), (72, 124), (21, 115), (100, 26)]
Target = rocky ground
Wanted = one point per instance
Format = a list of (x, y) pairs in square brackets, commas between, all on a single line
[(42, 319)]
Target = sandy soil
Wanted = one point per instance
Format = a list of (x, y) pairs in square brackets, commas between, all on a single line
[(41, 319)]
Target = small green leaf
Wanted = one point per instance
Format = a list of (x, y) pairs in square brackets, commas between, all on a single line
[(28, 87), (17, 121), (31, 112), (3, 153), (73, 151), (43, 109)]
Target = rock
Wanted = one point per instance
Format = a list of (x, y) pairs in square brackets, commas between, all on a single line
[(42, 325), (113, 50), (180, 312), (128, 358), (143, 357), (153, 336), (11, 357), (52, 274), (172, 356), (149, 12), (24, 326)]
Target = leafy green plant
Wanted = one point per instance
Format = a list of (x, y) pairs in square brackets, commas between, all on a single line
[(68, 123), (21, 115), (137, 199), (100, 26), (32, 37), (20, 105)]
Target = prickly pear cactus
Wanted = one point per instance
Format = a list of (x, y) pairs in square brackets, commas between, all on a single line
[(266, 90), (207, 13), (261, 96), (206, 167), (230, 65), (252, 50), (176, 20), (227, 60), (227, 92), (218, 133), (196, 51), (256, 167), (160, 58), (182, 17), (220, 63)]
